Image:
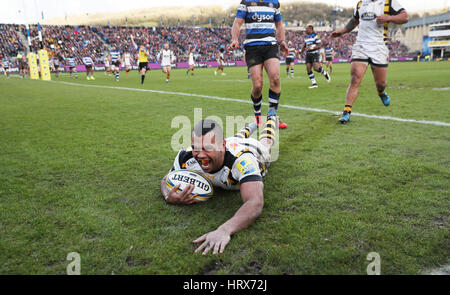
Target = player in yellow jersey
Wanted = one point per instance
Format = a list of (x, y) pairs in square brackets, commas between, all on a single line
[(143, 59)]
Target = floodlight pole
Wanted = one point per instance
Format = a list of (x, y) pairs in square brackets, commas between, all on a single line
[(335, 12), (335, 19)]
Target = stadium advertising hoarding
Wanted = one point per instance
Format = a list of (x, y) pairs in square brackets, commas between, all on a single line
[(443, 43), (185, 65), (239, 63)]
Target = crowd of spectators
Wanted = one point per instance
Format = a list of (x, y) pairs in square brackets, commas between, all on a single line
[(398, 49), (10, 42), (121, 37), (63, 41), (206, 42)]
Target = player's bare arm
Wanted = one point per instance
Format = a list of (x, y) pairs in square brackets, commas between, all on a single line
[(235, 31), (253, 197), (351, 25), (281, 39), (303, 50), (399, 19)]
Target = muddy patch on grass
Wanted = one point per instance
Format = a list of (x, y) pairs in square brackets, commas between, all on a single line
[(443, 270), (212, 268)]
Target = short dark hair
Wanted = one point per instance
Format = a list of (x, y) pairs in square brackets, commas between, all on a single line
[(204, 127)]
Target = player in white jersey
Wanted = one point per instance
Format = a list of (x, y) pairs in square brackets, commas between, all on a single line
[(191, 61), (71, 62), (5, 66), (290, 58), (89, 64), (167, 57), (236, 163), (127, 61), (107, 65), (322, 56), (220, 62), (373, 18)]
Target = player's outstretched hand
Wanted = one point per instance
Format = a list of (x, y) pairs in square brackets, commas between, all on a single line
[(216, 240), (182, 198)]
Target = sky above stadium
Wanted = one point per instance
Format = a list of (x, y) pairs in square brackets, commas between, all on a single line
[(21, 11)]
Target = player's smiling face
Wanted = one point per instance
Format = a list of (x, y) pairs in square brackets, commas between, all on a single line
[(208, 151)]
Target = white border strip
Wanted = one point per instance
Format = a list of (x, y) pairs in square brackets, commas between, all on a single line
[(436, 123)]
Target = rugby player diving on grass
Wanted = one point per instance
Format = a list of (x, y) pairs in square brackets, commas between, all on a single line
[(234, 163)]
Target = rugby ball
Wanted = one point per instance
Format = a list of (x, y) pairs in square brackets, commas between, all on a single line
[(202, 185)]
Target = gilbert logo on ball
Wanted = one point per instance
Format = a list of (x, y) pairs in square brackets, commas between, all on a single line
[(202, 185)]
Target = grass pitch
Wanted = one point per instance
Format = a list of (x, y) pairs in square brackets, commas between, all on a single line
[(80, 169)]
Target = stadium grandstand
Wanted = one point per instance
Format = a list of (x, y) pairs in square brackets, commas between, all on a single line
[(67, 40), (63, 41), (441, 40), (416, 31), (10, 41)]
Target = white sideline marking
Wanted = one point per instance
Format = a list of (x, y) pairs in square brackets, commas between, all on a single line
[(437, 123)]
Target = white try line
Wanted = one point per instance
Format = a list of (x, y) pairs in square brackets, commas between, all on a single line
[(437, 123)]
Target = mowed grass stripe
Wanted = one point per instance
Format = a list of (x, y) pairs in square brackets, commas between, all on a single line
[(390, 118)]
